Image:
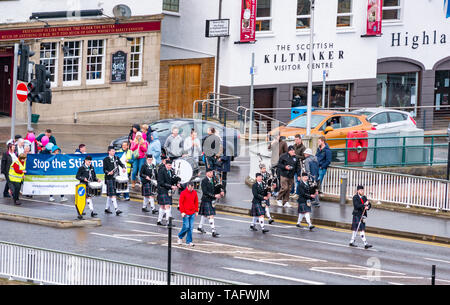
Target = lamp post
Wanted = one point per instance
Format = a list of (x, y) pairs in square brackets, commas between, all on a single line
[(310, 71)]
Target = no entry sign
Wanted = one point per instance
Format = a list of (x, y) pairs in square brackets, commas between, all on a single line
[(22, 92)]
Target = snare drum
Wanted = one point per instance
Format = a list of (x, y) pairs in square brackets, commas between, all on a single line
[(94, 189), (121, 183), (186, 168)]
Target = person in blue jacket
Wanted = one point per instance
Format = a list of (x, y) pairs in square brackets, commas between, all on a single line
[(154, 147), (323, 155)]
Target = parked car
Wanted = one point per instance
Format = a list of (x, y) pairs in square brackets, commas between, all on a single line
[(331, 124), (382, 118), (164, 129)]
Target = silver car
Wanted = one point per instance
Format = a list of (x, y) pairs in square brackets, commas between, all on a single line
[(382, 118)]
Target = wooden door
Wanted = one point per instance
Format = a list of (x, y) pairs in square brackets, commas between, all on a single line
[(184, 89), (5, 85)]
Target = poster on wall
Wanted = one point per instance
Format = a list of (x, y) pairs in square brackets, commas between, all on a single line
[(119, 67), (248, 20), (374, 17)]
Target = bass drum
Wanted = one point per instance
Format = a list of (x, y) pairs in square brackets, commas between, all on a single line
[(186, 168)]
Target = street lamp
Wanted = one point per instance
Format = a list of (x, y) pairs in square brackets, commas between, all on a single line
[(310, 71)]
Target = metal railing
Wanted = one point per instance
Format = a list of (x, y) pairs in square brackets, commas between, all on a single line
[(390, 187), (61, 268), (400, 149), (75, 114), (263, 127)]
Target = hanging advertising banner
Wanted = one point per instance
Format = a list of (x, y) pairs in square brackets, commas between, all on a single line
[(374, 17), (248, 20)]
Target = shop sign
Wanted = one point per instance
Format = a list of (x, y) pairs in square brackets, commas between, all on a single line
[(119, 67), (248, 20), (374, 17)]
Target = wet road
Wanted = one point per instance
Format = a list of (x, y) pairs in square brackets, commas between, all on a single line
[(286, 255)]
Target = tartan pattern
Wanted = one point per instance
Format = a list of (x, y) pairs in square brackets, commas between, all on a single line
[(355, 222), (110, 188), (257, 210), (303, 208), (147, 190), (164, 199), (206, 209)]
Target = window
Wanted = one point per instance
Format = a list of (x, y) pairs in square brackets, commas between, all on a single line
[(49, 58), (397, 89), (300, 122), (303, 14), (136, 59), (336, 96), (95, 61), (171, 5), (350, 121), (263, 16), (391, 10), (344, 13), (72, 63), (380, 118), (397, 117)]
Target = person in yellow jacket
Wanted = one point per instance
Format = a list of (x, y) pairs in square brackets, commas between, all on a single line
[(16, 174), (129, 157)]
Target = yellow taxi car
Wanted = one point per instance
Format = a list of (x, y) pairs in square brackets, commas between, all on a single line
[(331, 124)]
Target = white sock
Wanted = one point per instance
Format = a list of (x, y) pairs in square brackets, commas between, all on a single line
[(202, 220), (152, 203), (160, 214), (108, 203), (114, 202), (268, 212), (145, 202), (254, 220), (363, 237), (168, 213), (91, 206), (308, 219), (300, 218), (211, 223), (261, 222), (353, 236)]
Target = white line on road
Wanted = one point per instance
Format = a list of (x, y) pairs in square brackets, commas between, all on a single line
[(114, 236), (252, 272), (260, 261), (437, 260)]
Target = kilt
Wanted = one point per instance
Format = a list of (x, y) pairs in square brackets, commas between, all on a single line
[(147, 190), (303, 208), (206, 209), (355, 223), (164, 199), (110, 188), (257, 210)]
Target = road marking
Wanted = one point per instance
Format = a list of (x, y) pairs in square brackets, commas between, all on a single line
[(261, 261), (437, 260), (253, 272), (48, 202), (114, 236)]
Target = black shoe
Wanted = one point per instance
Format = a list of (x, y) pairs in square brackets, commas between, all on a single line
[(367, 246), (17, 202), (145, 210), (118, 212), (311, 227), (159, 223), (271, 221), (252, 228), (173, 226), (154, 211), (201, 230), (352, 245), (298, 225), (93, 214), (215, 234), (80, 217), (108, 211), (265, 230)]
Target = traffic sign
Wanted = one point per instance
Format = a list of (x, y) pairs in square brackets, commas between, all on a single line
[(22, 92)]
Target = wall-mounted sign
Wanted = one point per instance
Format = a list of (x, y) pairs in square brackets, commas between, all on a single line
[(217, 28), (374, 17), (119, 67), (248, 20)]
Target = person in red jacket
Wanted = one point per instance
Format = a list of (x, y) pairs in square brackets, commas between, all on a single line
[(188, 209)]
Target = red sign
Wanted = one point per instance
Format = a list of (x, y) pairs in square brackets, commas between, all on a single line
[(374, 17), (80, 30), (22, 92), (248, 20)]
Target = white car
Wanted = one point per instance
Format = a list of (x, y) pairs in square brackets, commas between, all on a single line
[(382, 118)]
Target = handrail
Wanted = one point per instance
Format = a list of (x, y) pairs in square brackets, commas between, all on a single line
[(75, 114)]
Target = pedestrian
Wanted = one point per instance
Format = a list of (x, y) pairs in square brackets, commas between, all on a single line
[(134, 129), (288, 167), (111, 170), (174, 144), (207, 205), (304, 201), (148, 176), (32, 138), (189, 210), (224, 165), (311, 166), (267, 181), (211, 148), (55, 150), (16, 175), (129, 162), (139, 150), (192, 146), (299, 153), (48, 134), (165, 190), (81, 149), (8, 158), (20, 146), (323, 155), (86, 174), (278, 147), (260, 196), (154, 147), (360, 207), (27, 147)]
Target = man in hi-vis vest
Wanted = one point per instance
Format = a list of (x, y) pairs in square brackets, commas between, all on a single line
[(16, 173)]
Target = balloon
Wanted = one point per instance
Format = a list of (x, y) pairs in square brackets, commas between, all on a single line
[(31, 137), (44, 140), (49, 146)]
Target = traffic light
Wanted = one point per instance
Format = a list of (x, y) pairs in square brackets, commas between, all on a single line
[(32, 90), (25, 54), (39, 88)]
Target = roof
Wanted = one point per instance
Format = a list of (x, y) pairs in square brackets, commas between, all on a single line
[(172, 53), (379, 109)]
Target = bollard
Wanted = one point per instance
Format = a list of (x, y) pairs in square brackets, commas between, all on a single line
[(169, 249), (343, 189), (433, 275)]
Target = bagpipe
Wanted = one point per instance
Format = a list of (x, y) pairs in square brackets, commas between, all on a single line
[(175, 178), (218, 187)]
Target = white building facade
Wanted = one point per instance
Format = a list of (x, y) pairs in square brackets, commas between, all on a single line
[(407, 66)]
